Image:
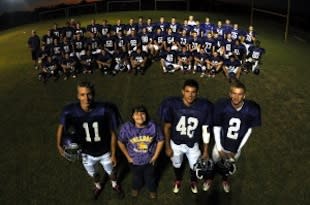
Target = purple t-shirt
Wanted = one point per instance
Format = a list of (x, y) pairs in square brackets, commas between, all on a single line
[(140, 142)]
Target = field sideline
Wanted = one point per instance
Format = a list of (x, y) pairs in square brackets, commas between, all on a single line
[(273, 168)]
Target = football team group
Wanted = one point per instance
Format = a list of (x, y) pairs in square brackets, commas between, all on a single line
[(189, 126), (189, 47)]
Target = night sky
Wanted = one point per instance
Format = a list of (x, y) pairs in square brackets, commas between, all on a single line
[(299, 7)]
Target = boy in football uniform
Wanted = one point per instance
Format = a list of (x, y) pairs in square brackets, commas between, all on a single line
[(95, 124), (234, 120), (253, 59), (168, 61), (186, 122), (214, 64), (104, 61), (138, 60), (232, 68), (88, 62), (185, 60), (50, 68), (68, 65)]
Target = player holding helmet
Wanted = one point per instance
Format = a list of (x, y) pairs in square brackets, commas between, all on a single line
[(95, 124), (186, 122)]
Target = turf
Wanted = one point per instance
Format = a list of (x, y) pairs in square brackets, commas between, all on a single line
[(273, 168)]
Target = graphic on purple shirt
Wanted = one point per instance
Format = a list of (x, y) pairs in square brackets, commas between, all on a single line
[(140, 142)]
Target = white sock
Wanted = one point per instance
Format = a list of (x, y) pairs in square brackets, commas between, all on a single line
[(97, 185), (114, 183)]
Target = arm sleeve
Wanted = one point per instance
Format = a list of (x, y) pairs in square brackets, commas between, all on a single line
[(217, 137), (245, 139)]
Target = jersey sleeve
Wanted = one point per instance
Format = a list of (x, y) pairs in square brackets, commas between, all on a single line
[(217, 113), (165, 115), (123, 133)]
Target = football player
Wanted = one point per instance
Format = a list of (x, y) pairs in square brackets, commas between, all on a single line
[(120, 62), (253, 60), (104, 60), (50, 68), (232, 68), (186, 122), (214, 64), (206, 27), (200, 62), (138, 60), (95, 123), (93, 27), (141, 141), (168, 61), (133, 42), (234, 120), (68, 65), (185, 60), (88, 62), (105, 28)]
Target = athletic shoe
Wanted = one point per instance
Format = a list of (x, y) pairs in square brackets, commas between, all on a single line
[(226, 186), (97, 191), (118, 189), (134, 193), (176, 187), (194, 187), (206, 185), (153, 195)]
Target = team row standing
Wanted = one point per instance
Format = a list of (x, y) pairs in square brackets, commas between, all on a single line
[(190, 47), (186, 122)]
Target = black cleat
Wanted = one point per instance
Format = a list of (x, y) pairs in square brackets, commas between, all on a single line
[(118, 189), (96, 193)]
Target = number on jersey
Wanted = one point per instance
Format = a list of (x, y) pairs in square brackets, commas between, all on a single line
[(233, 129), (187, 126), (96, 132)]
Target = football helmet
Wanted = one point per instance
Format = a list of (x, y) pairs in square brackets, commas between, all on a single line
[(203, 167), (226, 167), (70, 144)]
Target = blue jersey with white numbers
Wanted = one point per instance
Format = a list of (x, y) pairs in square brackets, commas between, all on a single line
[(187, 122), (235, 123), (93, 127)]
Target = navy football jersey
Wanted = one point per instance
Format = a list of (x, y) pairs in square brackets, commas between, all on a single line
[(235, 123), (93, 128), (187, 122)]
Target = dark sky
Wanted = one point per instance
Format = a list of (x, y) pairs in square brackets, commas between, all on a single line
[(16, 5), (299, 7)]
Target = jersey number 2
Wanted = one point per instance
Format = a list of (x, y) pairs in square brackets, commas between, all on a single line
[(96, 131), (234, 127), (186, 126)]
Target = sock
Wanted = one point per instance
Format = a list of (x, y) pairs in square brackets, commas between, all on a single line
[(114, 183)]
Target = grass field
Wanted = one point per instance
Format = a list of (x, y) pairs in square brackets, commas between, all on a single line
[(273, 168)]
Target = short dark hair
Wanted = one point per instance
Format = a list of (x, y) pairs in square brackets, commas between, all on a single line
[(237, 84), (191, 83), (140, 108), (87, 84)]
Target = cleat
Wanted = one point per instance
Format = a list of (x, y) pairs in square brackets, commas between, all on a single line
[(153, 195), (118, 189), (96, 193), (194, 188), (134, 193), (206, 185), (176, 187), (226, 186)]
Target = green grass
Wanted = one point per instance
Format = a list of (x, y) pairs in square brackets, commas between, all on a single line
[(273, 168)]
